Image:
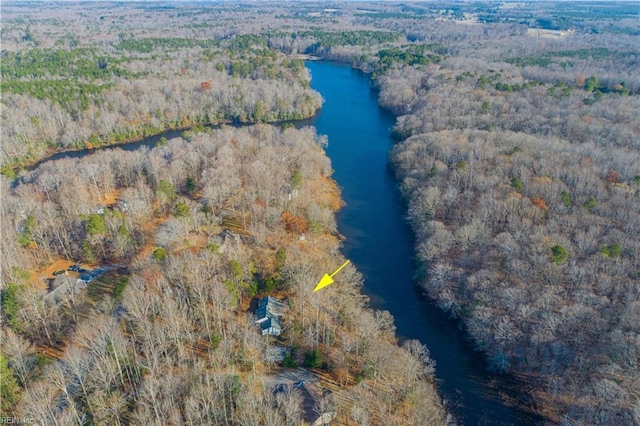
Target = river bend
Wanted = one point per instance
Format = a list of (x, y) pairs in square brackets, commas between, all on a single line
[(380, 244)]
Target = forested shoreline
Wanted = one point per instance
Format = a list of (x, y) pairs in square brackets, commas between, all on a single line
[(147, 95), (179, 332), (523, 189), (128, 277)]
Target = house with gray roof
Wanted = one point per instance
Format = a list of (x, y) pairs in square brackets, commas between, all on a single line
[(268, 316)]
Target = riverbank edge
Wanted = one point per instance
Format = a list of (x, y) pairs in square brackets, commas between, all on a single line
[(35, 163), (333, 239), (515, 390)]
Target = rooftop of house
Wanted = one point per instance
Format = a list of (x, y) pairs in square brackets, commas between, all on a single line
[(268, 315), (270, 304), (271, 326)]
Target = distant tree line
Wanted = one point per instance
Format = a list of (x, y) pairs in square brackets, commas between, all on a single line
[(70, 99)]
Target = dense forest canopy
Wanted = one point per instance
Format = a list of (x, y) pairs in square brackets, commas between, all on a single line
[(521, 171), (128, 277), (519, 163), (209, 223)]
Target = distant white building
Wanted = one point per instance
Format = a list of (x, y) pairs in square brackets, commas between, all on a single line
[(538, 32), (268, 315)]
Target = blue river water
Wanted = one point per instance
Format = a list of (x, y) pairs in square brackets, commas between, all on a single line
[(380, 244)]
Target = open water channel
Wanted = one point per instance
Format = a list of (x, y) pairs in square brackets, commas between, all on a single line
[(380, 244)]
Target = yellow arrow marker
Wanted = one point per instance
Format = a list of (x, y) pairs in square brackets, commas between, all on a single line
[(328, 279)]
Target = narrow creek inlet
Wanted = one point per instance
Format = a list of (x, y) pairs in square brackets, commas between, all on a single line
[(379, 243)]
